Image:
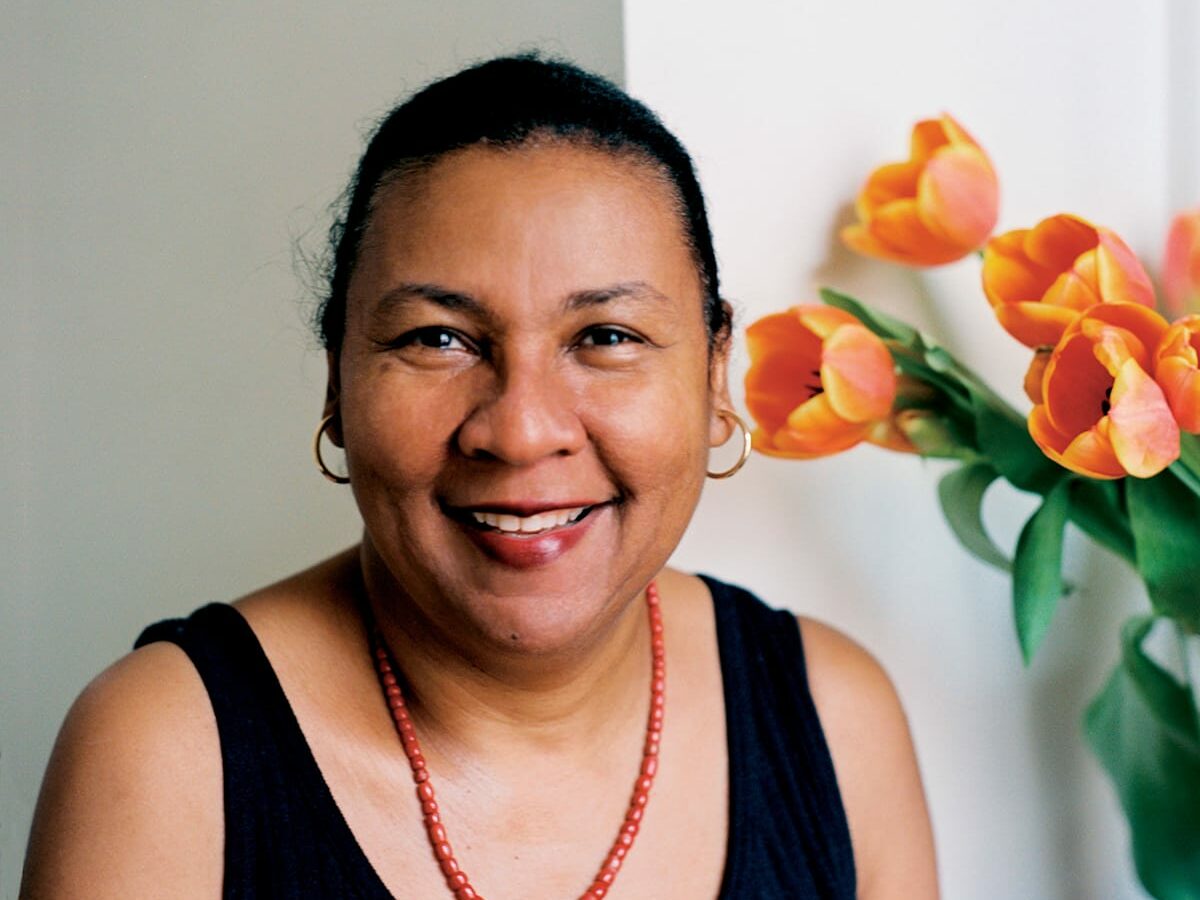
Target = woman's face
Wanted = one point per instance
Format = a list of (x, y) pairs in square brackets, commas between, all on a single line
[(525, 391)]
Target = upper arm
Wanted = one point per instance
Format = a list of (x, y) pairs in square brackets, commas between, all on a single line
[(876, 767), (132, 798)]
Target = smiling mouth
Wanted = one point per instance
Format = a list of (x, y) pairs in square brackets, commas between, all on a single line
[(539, 537), (506, 523)]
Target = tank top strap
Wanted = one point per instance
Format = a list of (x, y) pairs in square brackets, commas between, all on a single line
[(788, 831), (284, 834)]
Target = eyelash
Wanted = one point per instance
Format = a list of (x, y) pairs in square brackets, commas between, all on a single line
[(417, 337), (625, 336)]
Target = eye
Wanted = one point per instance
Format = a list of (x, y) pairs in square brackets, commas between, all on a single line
[(433, 337), (607, 336)]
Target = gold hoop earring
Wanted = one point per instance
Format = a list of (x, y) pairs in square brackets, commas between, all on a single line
[(332, 476), (740, 423)]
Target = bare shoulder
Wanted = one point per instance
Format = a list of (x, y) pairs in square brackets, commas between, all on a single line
[(869, 740), (851, 689), (132, 797)]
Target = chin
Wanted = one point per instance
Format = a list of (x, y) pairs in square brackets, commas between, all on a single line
[(545, 615)]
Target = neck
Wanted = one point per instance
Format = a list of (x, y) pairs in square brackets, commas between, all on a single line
[(468, 696)]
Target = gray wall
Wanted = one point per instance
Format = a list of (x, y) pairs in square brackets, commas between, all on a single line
[(159, 385)]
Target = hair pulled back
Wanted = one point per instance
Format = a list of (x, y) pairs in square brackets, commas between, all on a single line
[(504, 103)]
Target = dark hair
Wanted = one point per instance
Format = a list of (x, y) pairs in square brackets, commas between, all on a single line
[(504, 103)]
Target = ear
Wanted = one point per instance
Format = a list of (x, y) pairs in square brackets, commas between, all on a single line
[(720, 427), (333, 395)]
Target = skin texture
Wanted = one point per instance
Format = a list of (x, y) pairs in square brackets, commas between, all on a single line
[(576, 370)]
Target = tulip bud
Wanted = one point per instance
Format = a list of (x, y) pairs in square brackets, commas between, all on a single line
[(1181, 265), (933, 209)]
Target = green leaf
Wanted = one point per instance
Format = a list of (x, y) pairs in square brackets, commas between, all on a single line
[(1165, 516), (1005, 440), (1000, 431), (882, 324), (1037, 569), (1098, 510), (952, 392), (1142, 727), (961, 494)]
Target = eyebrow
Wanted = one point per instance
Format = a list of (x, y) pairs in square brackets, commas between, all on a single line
[(458, 301)]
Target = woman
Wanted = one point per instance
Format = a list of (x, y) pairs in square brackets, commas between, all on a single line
[(527, 369)]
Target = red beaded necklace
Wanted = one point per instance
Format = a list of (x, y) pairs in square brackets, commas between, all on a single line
[(456, 878)]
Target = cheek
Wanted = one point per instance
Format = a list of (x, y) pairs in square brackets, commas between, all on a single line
[(399, 431), (652, 435)]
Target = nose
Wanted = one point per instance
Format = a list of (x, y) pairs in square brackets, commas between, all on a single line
[(528, 413)]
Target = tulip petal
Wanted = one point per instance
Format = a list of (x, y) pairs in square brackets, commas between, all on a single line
[(815, 429), (858, 239), (1141, 322), (1035, 374), (1074, 289), (1181, 339), (764, 442), (1058, 241), (858, 374), (1035, 324), (1119, 272), (1009, 276), (823, 320), (1089, 453), (928, 136), (1113, 347), (958, 197), (954, 131), (1181, 386), (894, 181), (1181, 264), (1144, 433), (899, 228)]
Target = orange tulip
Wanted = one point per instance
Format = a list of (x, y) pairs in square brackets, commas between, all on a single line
[(1178, 371), (1181, 266), (933, 209), (818, 381), (1039, 279), (1103, 414)]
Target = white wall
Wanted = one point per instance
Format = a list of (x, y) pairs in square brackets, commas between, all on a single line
[(786, 107), (159, 384)]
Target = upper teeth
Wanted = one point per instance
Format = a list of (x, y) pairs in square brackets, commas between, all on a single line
[(528, 524)]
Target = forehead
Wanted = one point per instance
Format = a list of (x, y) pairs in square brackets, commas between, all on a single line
[(534, 223)]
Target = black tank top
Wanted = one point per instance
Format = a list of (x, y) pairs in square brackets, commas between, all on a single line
[(285, 836)]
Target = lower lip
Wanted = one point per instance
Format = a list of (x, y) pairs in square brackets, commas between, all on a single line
[(529, 551)]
